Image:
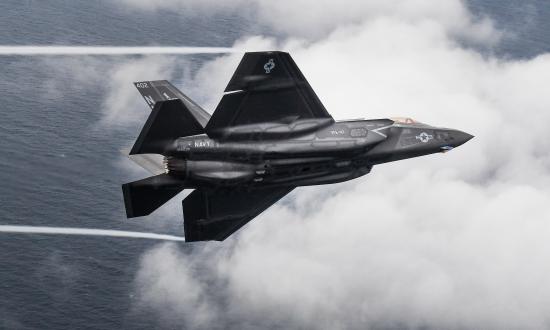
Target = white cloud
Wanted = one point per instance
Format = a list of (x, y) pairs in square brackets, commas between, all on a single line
[(163, 273), (314, 19), (122, 99), (114, 78), (446, 241)]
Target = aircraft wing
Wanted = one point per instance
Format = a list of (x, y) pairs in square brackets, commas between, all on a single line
[(163, 90), (215, 215), (266, 87)]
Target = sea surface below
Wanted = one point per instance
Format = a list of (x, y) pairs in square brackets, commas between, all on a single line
[(58, 167)]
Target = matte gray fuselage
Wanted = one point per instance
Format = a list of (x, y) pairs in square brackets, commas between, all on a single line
[(258, 156)]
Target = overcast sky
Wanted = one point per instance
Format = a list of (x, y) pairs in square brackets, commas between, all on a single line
[(457, 240)]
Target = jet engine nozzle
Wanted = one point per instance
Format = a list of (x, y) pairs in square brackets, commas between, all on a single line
[(175, 166)]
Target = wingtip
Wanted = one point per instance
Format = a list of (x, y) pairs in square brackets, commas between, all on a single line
[(127, 200)]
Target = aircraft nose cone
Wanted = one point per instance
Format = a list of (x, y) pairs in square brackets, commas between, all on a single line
[(461, 138)]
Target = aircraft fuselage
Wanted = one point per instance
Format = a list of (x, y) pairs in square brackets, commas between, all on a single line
[(312, 153)]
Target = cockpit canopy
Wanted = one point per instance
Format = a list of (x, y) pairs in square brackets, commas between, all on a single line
[(404, 120)]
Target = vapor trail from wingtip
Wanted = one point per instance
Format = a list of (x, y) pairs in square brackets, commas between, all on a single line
[(86, 232), (108, 50)]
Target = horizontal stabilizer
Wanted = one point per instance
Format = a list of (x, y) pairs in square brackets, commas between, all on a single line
[(144, 196), (168, 121), (215, 215)]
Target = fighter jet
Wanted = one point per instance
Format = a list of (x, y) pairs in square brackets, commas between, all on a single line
[(269, 134)]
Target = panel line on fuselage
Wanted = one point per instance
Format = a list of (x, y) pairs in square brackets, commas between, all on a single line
[(381, 128)]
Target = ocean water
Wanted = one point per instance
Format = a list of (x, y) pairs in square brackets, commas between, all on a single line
[(58, 167)]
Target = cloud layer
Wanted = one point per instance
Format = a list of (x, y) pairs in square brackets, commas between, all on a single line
[(446, 241), (315, 19)]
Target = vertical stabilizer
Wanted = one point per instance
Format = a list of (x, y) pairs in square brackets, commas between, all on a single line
[(168, 121), (163, 90)]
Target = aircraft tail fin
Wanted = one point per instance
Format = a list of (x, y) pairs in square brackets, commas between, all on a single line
[(162, 90), (145, 196), (169, 120)]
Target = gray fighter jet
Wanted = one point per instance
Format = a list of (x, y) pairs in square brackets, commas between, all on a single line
[(269, 134)]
